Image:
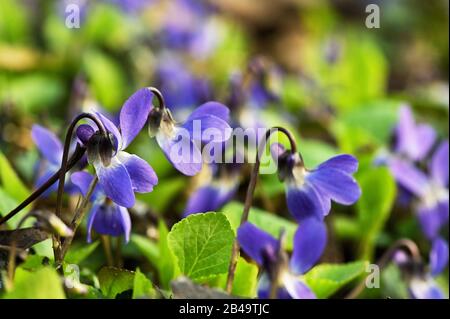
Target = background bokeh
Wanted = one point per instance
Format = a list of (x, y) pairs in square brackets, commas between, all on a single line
[(337, 84)]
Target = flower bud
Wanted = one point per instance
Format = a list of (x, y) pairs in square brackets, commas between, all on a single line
[(100, 147)]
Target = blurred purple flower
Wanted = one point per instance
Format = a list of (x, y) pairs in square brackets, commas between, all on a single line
[(131, 6), (106, 217), (309, 192), (413, 140), (187, 27), (432, 191), (121, 174), (181, 89), (181, 143), (420, 279), (266, 85), (51, 151), (309, 242), (216, 191)]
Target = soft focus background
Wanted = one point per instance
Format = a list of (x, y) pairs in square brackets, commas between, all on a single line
[(337, 84)]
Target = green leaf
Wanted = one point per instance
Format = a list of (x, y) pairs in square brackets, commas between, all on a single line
[(202, 244), (167, 265), (346, 227), (146, 247), (41, 284), (326, 279), (374, 207), (14, 20), (106, 25), (158, 254), (360, 69), (33, 263), (268, 222), (10, 182), (44, 248), (371, 123), (106, 78), (33, 92), (316, 152), (114, 281), (7, 203), (142, 286), (245, 279), (78, 253), (392, 283)]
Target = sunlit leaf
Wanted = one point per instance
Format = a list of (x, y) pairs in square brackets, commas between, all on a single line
[(268, 222), (77, 253), (202, 244), (374, 207), (106, 79), (41, 284), (142, 286), (326, 279), (114, 281)]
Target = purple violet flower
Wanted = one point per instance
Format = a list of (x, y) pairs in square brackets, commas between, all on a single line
[(131, 6), (420, 279), (309, 192), (121, 174), (105, 216), (51, 151), (218, 188), (432, 191), (182, 90), (181, 143), (187, 27), (413, 140), (309, 242)]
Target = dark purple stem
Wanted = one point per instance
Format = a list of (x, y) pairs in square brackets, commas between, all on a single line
[(64, 164), (159, 96), (249, 195), (76, 156)]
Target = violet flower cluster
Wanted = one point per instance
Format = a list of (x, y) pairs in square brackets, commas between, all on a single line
[(309, 243), (421, 278), (121, 174), (429, 187)]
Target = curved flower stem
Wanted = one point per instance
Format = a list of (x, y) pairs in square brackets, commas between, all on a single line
[(76, 156), (159, 96), (249, 195), (64, 164), (403, 243), (79, 213)]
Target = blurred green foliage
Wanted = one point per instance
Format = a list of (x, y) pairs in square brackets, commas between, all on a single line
[(341, 87)]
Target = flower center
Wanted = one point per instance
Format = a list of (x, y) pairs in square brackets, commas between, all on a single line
[(298, 175), (435, 194), (161, 121)]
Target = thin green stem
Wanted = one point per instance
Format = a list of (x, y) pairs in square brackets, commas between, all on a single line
[(249, 196), (79, 213)]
